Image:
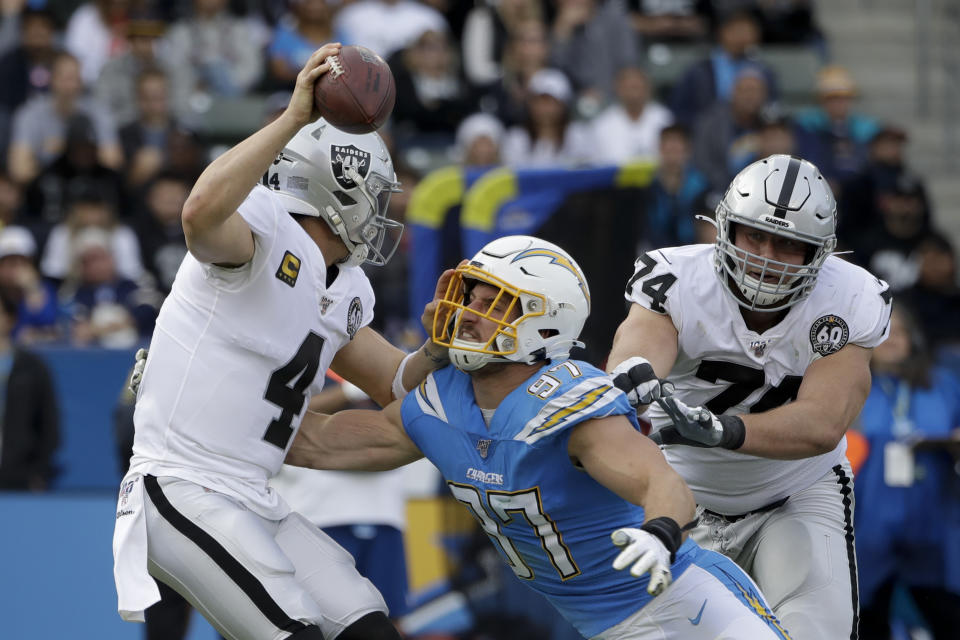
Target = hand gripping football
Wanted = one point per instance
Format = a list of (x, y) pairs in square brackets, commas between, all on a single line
[(357, 94)]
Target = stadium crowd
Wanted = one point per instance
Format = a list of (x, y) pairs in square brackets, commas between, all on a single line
[(110, 110)]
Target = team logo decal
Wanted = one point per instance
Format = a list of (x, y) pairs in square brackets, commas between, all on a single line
[(289, 269), (828, 334), (561, 260), (354, 317), (342, 157), (483, 446)]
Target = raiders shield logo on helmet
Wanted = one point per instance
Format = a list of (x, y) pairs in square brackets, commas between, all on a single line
[(342, 157)]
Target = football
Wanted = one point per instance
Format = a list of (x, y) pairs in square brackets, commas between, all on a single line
[(357, 94)]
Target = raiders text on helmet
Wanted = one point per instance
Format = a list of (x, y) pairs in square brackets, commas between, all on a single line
[(345, 179), (536, 277), (782, 195)]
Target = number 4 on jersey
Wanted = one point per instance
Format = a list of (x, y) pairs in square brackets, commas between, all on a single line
[(287, 389), (655, 288)]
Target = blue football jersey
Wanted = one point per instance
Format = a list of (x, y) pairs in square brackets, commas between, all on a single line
[(548, 518)]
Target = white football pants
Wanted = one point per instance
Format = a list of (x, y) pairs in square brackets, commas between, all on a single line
[(252, 578), (801, 555)]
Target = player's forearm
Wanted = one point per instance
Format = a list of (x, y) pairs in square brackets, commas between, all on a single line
[(352, 441), (227, 181), (424, 360), (802, 429), (669, 496), (644, 334)]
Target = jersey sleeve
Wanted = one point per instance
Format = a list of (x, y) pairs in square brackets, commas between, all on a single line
[(871, 313), (260, 211), (584, 399), (652, 284), (365, 292)]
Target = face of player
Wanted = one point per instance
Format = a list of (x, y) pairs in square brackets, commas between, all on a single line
[(771, 247), (484, 300)]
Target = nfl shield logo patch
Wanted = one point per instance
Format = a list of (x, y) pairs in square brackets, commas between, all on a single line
[(483, 446)]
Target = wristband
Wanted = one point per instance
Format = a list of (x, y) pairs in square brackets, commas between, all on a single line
[(397, 387), (734, 432), (667, 531), (352, 392)]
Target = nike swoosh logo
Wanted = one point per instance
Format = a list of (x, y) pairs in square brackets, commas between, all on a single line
[(696, 621)]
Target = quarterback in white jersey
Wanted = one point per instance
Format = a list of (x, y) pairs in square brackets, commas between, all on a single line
[(270, 296), (765, 339)]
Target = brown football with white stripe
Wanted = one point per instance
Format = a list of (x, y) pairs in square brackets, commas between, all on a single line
[(357, 94)]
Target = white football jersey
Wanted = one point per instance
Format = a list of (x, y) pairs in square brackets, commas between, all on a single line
[(236, 356), (726, 367)]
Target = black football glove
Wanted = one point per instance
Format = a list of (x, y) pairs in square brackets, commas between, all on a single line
[(698, 427), (636, 378)]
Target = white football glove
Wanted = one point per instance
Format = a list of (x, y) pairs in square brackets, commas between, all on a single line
[(698, 427), (646, 554), (636, 378), (139, 363)]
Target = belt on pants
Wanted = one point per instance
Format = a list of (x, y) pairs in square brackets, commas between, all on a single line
[(770, 507)]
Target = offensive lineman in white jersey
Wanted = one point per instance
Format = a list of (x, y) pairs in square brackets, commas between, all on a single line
[(766, 338), (270, 296)]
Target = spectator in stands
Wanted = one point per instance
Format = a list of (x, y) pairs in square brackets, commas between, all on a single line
[(677, 193), (11, 13), (630, 128), (95, 33), (670, 21), (726, 137), (106, 309), (886, 164), (712, 78), (25, 70), (307, 26), (40, 125), (478, 141), (935, 296), (488, 28), (147, 139), (11, 200), (777, 135), (35, 299), (590, 41), (526, 52), (790, 22), (832, 135), (158, 227), (549, 137), (211, 53), (386, 26), (89, 209), (77, 168), (908, 494), (888, 249), (30, 425), (116, 88), (432, 96)]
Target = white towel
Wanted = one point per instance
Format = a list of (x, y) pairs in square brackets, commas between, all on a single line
[(136, 590)]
